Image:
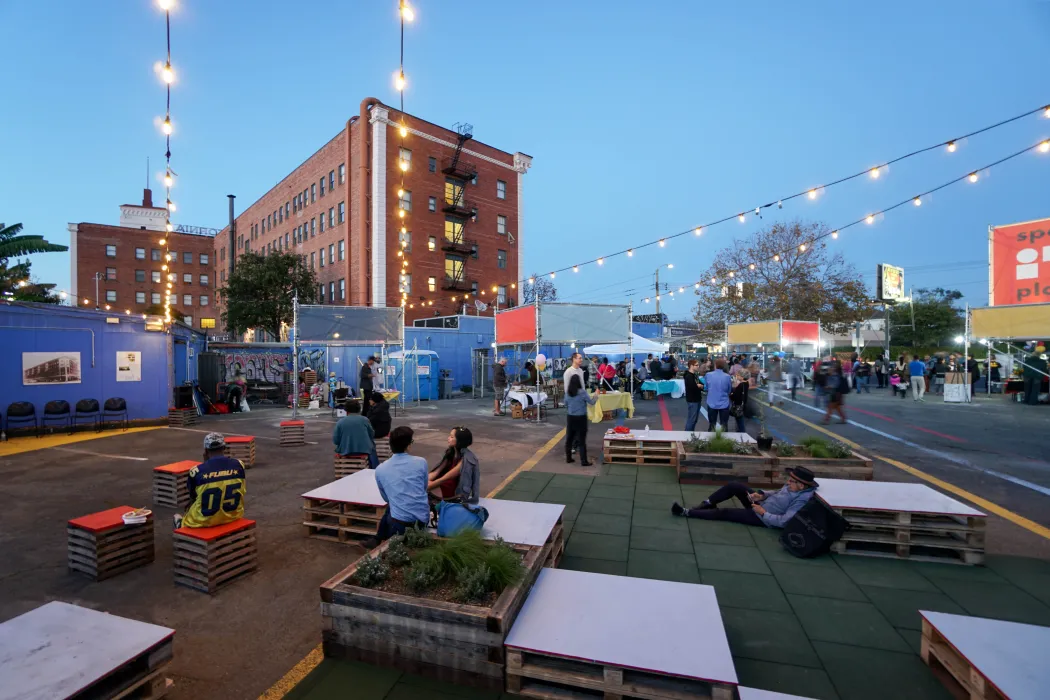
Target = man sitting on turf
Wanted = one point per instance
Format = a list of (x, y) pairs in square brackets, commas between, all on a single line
[(217, 487), (402, 482), (757, 507)]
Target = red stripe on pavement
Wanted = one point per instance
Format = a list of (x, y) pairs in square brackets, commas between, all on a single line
[(942, 435), (664, 417), (874, 415)]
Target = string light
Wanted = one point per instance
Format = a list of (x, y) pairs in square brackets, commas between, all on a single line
[(406, 12), (400, 193), (874, 172), (698, 230), (601, 261), (662, 243), (681, 289), (696, 286), (812, 194), (552, 275), (575, 268), (167, 74), (751, 266), (532, 280), (834, 234), (403, 131), (917, 201), (166, 126), (670, 266), (951, 147), (168, 182), (732, 274), (776, 258), (801, 249), (399, 81), (870, 218), (630, 253), (513, 285), (107, 307), (1044, 146), (741, 218), (973, 177), (1046, 113)]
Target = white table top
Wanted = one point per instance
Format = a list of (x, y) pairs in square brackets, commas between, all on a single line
[(890, 496), (625, 621), (1013, 656), (520, 522), (59, 649), (756, 694), (519, 396), (675, 436), (359, 487)]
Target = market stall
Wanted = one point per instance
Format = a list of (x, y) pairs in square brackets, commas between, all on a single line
[(1005, 331), (798, 338)]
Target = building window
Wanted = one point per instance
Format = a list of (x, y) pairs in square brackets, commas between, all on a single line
[(154, 298), (341, 251), (406, 283), (342, 173), (322, 257), (204, 280), (207, 323), (313, 259), (322, 194), (474, 288), (431, 284), (187, 300), (331, 254), (111, 273), (342, 290), (204, 258), (320, 292), (331, 291), (320, 219), (474, 180), (313, 193), (331, 217), (342, 211), (154, 254), (474, 251), (172, 256), (454, 266), (432, 164), (501, 296), (432, 203), (331, 179), (406, 241), (280, 213), (285, 239), (204, 299), (453, 231), (173, 299), (269, 223), (111, 251), (405, 200), (313, 227), (501, 259), (187, 258), (286, 210), (405, 155), (222, 275), (140, 297), (453, 192), (501, 223), (187, 278), (501, 189), (140, 275), (188, 320), (155, 276), (140, 253), (432, 243), (111, 295)]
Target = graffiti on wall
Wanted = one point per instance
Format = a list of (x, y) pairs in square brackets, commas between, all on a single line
[(313, 358), (263, 366)]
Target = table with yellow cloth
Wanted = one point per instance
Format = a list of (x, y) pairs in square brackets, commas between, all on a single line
[(610, 402)]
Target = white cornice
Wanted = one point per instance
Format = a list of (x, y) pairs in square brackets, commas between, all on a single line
[(488, 159)]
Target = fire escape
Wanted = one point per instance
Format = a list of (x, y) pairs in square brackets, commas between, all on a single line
[(458, 212)]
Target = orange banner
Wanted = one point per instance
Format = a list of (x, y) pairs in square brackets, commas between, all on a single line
[(1019, 263), (516, 326)]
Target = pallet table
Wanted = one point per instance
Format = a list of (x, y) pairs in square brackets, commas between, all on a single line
[(756, 694), (242, 447), (345, 465), (209, 558), (575, 633), (989, 659), (293, 432), (101, 545), (182, 417), (904, 521), (653, 447), (65, 651), (347, 510), (169, 484), (526, 523)]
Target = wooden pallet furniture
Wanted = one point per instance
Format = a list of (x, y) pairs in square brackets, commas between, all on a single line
[(345, 465), (904, 521), (720, 468), (293, 432), (210, 558), (537, 525), (575, 637), (182, 417), (452, 642), (65, 651), (100, 545), (169, 484), (241, 447), (383, 449), (985, 659), (639, 452), (857, 467), (758, 694), (347, 510)]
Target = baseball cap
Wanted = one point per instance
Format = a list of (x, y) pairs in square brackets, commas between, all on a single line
[(214, 441)]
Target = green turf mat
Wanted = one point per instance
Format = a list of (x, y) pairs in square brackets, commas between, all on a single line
[(670, 491), (663, 475), (553, 494), (694, 493), (889, 573), (1030, 575), (601, 490), (845, 622), (724, 557), (607, 506), (662, 519), (616, 480), (654, 502), (533, 478), (620, 470), (803, 578), (586, 544), (595, 566), (571, 481), (768, 636), (902, 608), (913, 638), (411, 687), (661, 540), (999, 601), (666, 566), (957, 572), (768, 543), (784, 678), (604, 524), (873, 674), (717, 532), (751, 591), (332, 677), (516, 495)]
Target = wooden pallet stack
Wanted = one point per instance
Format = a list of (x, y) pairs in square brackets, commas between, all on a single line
[(100, 545), (182, 417), (857, 466), (309, 377), (169, 484), (918, 536), (209, 558), (345, 465), (718, 468), (383, 449), (556, 542), (338, 521), (640, 452), (242, 447), (293, 432)]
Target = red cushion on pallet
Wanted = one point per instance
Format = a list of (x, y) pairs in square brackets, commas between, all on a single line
[(211, 533), (293, 422), (241, 439), (177, 467), (103, 520)]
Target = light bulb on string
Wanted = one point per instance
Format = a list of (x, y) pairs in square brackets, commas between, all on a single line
[(972, 177), (751, 266), (1044, 146), (658, 297), (951, 147), (171, 205), (401, 213), (167, 256), (630, 252), (812, 194), (403, 130), (917, 201), (874, 172), (163, 241), (601, 261), (532, 280), (732, 274), (575, 268), (696, 286), (713, 280), (400, 193), (741, 218), (552, 275), (802, 248), (62, 294), (681, 289), (1046, 112), (698, 230), (399, 81), (107, 307), (647, 300), (834, 234), (671, 293), (168, 181), (670, 266), (776, 258), (85, 302), (662, 243), (127, 312), (403, 165), (870, 218), (513, 285), (165, 126), (406, 12), (166, 4), (164, 267), (169, 227)]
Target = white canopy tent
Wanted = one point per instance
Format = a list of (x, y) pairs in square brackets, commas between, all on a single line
[(638, 344)]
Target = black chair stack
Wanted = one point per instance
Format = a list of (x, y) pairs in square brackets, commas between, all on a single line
[(117, 407), (22, 412), (89, 409), (57, 410)]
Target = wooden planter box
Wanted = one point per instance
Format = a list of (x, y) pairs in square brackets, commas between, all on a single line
[(641, 452), (856, 467), (456, 643), (717, 468)]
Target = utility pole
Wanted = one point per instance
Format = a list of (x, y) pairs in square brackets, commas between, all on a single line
[(657, 295)]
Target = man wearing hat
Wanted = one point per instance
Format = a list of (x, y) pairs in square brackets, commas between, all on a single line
[(757, 507), (366, 383), (216, 487)]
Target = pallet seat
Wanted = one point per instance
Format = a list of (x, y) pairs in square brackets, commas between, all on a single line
[(100, 544), (242, 447), (293, 432), (209, 558), (169, 484)]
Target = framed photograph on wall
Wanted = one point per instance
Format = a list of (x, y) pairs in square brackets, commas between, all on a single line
[(62, 367), (129, 366)]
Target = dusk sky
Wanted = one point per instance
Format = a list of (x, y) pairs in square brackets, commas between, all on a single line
[(643, 119)]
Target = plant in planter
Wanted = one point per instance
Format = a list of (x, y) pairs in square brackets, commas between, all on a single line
[(786, 450), (764, 439), (825, 449), (718, 444)]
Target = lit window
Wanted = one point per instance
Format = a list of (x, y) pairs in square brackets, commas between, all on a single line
[(453, 231), (140, 297), (406, 283), (204, 299), (454, 266), (453, 193), (431, 284), (187, 278), (501, 259), (154, 298), (432, 203), (187, 300), (111, 295), (111, 273), (342, 212), (140, 275), (155, 276), (140, 253), (501, 224), (405, 200), (501, 189), (111, 251), (207, 323), (204, 258), (342, 173), (204, 280), (432, 243), (340, 251), (342, 290), (406, 241)]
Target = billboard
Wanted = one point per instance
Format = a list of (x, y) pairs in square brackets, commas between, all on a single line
[(1019, 263), (889, 282)]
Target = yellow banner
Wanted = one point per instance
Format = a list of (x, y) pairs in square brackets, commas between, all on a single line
[(1023, 322), (754, 333)]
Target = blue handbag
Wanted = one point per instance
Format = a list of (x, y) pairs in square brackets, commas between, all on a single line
[(453, 517)]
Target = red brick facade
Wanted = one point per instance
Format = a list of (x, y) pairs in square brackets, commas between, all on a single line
[(360, 275)]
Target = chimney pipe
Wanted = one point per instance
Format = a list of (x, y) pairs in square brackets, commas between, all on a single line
[(233, 233), (147, 198)]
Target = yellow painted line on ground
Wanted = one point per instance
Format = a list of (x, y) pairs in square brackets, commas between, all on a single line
[(982, 503), (312, 660), (31, 444)]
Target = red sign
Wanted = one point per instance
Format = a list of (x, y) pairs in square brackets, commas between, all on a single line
[(1019, 263), (794, 332), (515, 326)]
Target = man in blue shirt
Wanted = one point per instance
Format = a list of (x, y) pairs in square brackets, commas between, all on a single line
[(718, 385), (402, 482), (917, 370)]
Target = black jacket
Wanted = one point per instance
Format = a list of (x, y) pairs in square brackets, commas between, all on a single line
[(694, 391), (379, 417)]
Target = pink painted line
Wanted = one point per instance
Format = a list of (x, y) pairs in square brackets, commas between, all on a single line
[(665, 418), (942, 435), (872, 414)]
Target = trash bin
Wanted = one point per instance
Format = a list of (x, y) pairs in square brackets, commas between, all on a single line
[(445, 387)]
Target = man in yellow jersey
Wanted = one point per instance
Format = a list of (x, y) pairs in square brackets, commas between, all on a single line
[(216, 486)]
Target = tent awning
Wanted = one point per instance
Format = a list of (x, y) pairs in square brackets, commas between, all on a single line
[(640, 345)]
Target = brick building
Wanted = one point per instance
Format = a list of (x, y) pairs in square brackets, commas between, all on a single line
[(129, 258), (339, 209)]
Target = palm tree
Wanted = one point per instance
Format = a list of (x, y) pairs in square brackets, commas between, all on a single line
[(15, 280), (12, 245)]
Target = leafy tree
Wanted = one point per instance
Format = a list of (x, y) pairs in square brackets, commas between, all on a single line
[(258, 294), (937, 319), (15, 280), (542, 289), (806, 285), (12, 245)]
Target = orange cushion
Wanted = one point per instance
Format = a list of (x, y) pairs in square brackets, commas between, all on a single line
[(238, 440), (103, 520), (211, 533), (293, 422), (176, 467)]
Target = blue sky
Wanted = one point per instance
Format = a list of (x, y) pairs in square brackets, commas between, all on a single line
[(641, 122)]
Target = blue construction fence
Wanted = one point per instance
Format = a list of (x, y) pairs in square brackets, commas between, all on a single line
[(50, 353)]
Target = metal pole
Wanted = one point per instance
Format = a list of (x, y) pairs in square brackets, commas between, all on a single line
[(295, 355), (630, 341), (233, 232), (96, 289), (538, 352), (966, 352), (657, 295)]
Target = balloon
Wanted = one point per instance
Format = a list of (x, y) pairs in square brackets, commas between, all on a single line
[(541, 366), (541, 359)]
